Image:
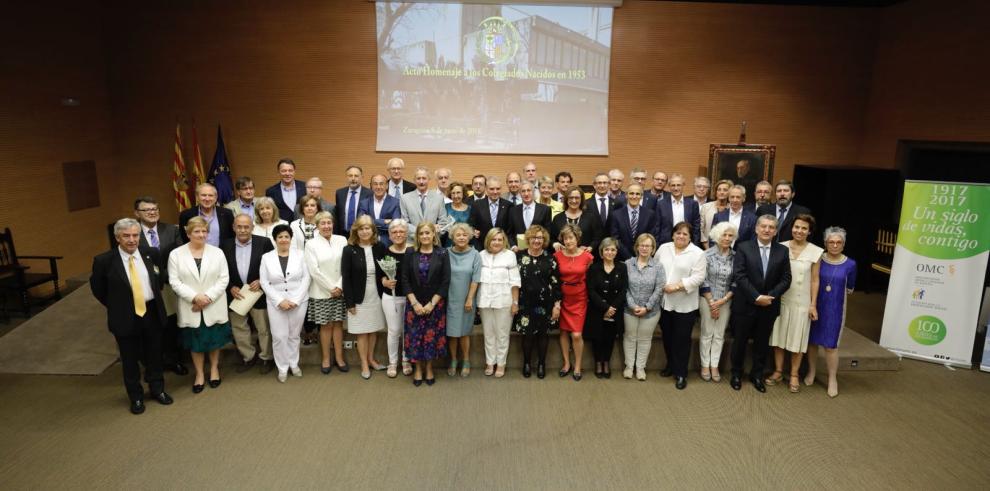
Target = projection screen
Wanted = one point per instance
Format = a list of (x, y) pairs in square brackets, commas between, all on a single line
[(489, 78)]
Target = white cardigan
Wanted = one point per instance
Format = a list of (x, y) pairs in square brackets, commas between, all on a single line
[(323, 262), (689, 268), (292, 286), (187, 282)]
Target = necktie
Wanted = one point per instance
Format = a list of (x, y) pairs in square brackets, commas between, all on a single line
[(765, 256), (137, 290), (397, 191), (634, 222), (781, 213), (351, 209), (528, 215), (601, 210), (154, 238), (422, 204), (494, 212)]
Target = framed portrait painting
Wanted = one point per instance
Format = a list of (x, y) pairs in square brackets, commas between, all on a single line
[(744, 164)]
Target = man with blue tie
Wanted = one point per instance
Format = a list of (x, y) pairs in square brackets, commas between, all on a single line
[(631, 220), (287, 191), (348, 199), (397, 186), (761, 270), (526, 214), (381, 207), (676, 208), (741, 218), (489, 213)]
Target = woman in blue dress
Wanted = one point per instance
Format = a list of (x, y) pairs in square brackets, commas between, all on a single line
[(457, 209), (837, 279), (465, 271)]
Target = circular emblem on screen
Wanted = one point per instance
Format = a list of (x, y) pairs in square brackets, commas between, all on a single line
[(498, 40)]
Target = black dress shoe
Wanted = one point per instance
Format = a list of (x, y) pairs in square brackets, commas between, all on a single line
[(215, 383), (735, 382), (666, 372), (163, 398), (197, 388), (680, 383), (527, 371), (137, 407), (564, 373), (243, 367), (344, 368), (417, 382), (266, 367), (430, 381), (599, 374), (326, 370), (758, 384), (177, 368), (541, 370), (607, 374), (577, 376)]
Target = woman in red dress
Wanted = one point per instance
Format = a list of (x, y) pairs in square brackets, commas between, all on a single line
[(573, 263)]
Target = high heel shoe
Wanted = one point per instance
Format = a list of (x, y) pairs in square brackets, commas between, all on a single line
[(197, 388), (541, 370), (527, 371), (563, 373), (795, 384), (774, 379)]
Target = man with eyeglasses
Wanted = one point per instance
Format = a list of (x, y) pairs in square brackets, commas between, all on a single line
[(244, 203), (163, 237), (314, 188)]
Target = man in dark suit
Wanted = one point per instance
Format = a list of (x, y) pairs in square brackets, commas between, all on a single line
[(479, 185), (601, 203), (616, 179), (563, 180), (743, 219), (785, 209), (677, 208), (348, 198), (243, 254), (658, 191), (489, 213), (287, 191), (526, 214), (163, 237), (764, 196), (397, 186), (381, 207), (624, 219), (220, 220), (762, 273), (126, 280)]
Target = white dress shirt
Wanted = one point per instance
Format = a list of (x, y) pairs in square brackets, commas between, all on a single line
[(677, 207), (688, 268), (142, 272), (499, 273)]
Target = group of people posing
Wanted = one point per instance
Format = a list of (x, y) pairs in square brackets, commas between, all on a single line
[(424, 264)]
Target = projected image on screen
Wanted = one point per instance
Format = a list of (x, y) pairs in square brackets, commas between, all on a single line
[(493, 78)]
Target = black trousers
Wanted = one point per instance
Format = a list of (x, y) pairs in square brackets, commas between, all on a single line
[(757, 326), (603, 342), (677, 339), (171, 343), (144, 345)]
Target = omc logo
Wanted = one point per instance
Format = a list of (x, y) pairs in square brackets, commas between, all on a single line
[(918, 294), (927, 330), (929, 268)]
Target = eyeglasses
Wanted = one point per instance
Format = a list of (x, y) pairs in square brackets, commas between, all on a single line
[(314, 187), (148, 210)]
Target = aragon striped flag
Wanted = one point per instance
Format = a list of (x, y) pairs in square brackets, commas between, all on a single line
[(179, 183), (197, 157)]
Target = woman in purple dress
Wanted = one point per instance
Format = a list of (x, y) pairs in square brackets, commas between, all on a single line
[(837, 279)]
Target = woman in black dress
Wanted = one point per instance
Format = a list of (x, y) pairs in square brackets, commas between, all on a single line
[(539, 298), (606, 296), (591, 228)]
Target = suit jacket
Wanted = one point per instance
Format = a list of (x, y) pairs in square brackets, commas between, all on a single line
[(340, 214), (406, 187), (747, 226), (649, 200), (437, 277), (783, 228), (541, 216), (620, 198), (169, 238), (591, 206), (259, 246), (621, 229), (324, 206), (508, 197), (409, 208), (747, 273), (390, 211), (235, 206), (591, 230), (187, 281), (481, 219), (353, 270), (285, 210), (293, 285), (665, 219), (225, 221), (111, 285)]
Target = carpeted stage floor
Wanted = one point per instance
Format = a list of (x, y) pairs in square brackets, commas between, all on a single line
[(922, 427)]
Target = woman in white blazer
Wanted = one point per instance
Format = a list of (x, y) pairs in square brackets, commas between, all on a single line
[(285, 280), (197, 272), (326, 295)]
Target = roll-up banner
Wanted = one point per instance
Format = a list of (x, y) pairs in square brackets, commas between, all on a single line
[(940, 262)]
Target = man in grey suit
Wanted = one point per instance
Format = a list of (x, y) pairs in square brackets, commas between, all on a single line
[(422, 204), (164, 237), (244, 187)]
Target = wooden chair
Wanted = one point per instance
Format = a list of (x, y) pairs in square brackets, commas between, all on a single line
[(882, 257), (14, 276)]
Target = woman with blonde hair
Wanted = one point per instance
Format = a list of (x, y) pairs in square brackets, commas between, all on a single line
[(465, 272), (425, 282), (643, 296), (498, 299), (326, 294), (363, 290), (266, 218), (539, 298)]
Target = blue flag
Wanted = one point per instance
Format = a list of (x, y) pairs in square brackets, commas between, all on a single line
[(220, 172)]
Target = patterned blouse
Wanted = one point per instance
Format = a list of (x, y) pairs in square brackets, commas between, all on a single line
[(719, 277), (645, 287)]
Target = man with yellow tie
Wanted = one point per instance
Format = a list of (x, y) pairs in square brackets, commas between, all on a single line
[(126, 281)]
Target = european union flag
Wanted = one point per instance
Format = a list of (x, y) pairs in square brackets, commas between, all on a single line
[(220, 172)]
